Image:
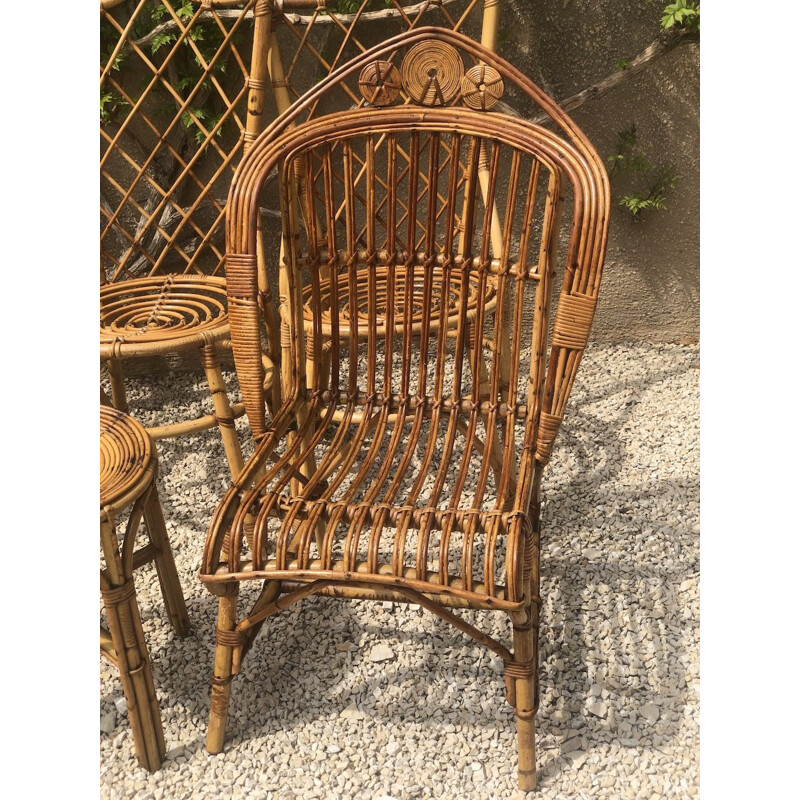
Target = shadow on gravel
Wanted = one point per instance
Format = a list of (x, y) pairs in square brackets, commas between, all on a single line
[(613, 618)]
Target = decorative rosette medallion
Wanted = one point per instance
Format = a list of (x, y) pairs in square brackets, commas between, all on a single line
[(379, 83), (481, 87), (432, 73)]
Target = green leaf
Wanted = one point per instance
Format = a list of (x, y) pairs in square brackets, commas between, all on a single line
[(110, 105), (680, 13), (185, 11), (160, 39)]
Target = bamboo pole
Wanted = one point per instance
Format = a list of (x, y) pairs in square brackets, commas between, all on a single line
[(223, 665), (259, 72)]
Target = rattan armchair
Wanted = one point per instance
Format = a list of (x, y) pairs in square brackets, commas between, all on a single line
[(433, 495), (180, 101)]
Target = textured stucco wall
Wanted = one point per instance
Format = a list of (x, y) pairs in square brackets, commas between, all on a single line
[(650, 290), (651, 284)]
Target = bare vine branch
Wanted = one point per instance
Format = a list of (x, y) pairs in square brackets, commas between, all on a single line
[(660, 47), (300, 19)]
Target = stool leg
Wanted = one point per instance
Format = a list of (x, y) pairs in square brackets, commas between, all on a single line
[(222, 409), (127, 636), (118, 397), (223, 673), (171, 591)]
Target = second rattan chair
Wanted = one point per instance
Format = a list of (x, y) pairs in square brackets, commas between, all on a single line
[(433, 495)]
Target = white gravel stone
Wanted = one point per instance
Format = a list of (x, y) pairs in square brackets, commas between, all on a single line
[(352, 712), (381, 652), (121, 705), (578, 759), (620, 610), (598, 708), (650, 712)]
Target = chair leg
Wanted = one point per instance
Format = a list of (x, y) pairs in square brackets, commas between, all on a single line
[(127, 636), (118, 397), (222, 409), (223, 672), (171, 591), (523, 671)]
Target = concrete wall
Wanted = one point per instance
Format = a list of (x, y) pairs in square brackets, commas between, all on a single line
[(651, 284)]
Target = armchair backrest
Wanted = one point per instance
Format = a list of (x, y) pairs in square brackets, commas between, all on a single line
[(438, 192)]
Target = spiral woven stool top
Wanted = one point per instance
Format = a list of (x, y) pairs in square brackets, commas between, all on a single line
[(401, 300), (127, 458), (146, 316)]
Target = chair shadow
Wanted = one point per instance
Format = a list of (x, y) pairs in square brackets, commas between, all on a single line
[(597, 624)]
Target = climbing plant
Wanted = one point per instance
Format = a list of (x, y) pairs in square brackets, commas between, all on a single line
[(152, 30), (649, 184)]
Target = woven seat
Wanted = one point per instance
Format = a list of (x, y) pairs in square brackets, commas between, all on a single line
[(147, 316), (423, 390), (128, 469), (126, 457), (400, 501)]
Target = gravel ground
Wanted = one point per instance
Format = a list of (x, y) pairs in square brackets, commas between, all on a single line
[(348, 700)]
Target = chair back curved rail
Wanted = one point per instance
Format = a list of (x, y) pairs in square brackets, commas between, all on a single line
[(570, 155)]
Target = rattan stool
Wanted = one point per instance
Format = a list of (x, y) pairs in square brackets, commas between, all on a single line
[(128, 469), (154, 316)]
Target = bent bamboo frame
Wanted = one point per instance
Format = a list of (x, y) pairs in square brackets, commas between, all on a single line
[(321, 530)]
